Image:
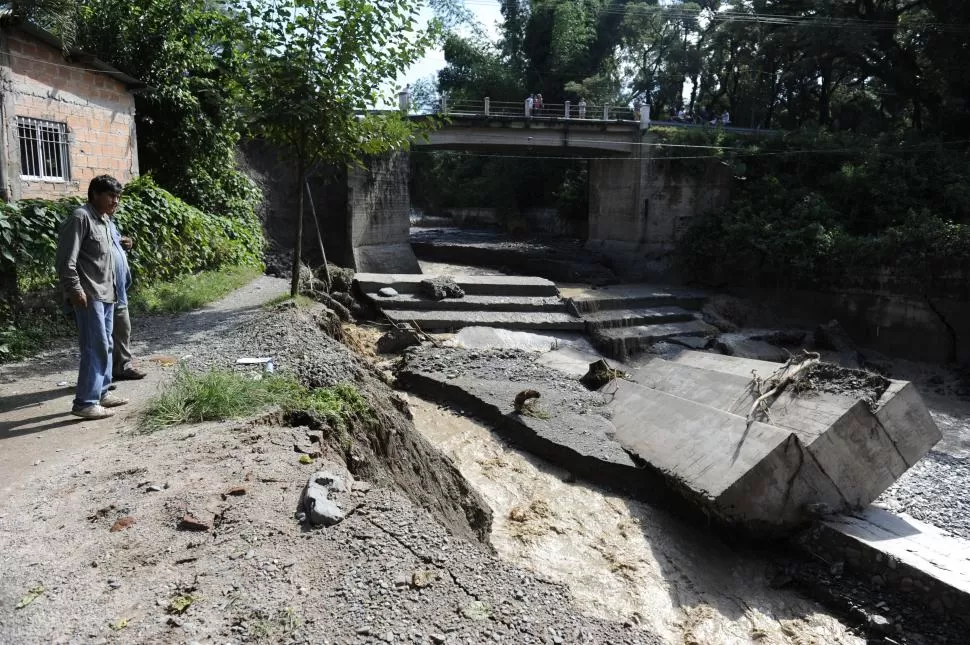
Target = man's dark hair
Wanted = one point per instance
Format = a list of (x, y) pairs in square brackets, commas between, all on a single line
[(104, 184)]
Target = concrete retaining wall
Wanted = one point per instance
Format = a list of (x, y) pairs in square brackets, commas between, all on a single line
[(378, 204), (927, 329)]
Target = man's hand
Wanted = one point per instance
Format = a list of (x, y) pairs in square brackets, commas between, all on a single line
[(79, 299), (126, 243)]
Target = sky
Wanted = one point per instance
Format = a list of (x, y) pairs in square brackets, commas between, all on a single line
[(488, 13)]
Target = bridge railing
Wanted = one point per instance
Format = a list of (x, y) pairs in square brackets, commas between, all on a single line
[(567, 110)]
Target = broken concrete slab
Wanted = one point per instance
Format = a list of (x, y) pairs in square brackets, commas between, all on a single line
[(910, 557), (533, 341), (745, 347), (566, 427), (858, 431), (753, 476), (441, 287)]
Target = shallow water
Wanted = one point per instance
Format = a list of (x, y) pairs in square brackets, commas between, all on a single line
[(621, 559)]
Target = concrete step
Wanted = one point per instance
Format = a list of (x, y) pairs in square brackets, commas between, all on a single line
[(621, 342), (613, 318), (634, 296), (450, 319), (473, 285), (417, 302)]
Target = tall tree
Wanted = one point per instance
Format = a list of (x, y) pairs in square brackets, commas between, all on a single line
[(316, 68)]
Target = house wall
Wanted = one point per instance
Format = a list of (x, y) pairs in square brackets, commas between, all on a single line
[(98, 110)]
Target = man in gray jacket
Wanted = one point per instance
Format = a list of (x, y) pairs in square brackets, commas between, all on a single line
[(86, 270)]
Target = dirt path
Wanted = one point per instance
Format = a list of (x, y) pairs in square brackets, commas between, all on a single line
[(623, 560), (37, 433)]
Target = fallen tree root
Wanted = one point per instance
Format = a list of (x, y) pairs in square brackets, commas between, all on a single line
[(778, 381)]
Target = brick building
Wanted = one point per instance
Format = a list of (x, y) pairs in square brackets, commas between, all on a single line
[(67, 117)]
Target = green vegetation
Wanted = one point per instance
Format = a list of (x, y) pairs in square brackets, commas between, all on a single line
[(171, 238), (217, 395), (191, 291), (821, 210), (313, 68), (23, 335)]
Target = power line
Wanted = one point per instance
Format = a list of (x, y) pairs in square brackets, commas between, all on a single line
[(673, 13)]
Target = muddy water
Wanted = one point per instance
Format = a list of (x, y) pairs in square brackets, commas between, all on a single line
[(623, 560)]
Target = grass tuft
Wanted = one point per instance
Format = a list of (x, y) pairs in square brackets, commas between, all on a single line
[(190, 292), (218, 395)]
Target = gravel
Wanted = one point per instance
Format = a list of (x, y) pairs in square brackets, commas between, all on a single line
[(934, 491)]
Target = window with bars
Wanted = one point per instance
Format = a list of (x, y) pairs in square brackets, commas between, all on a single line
[(43, 149)]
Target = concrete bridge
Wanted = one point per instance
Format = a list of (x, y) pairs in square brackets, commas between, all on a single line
[(639, 201)]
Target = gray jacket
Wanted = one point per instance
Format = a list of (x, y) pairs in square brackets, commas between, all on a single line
[(84, 255)]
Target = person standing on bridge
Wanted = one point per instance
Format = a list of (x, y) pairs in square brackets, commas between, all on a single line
[(529, 103), (538, 105), (726, 118), (582, 108)]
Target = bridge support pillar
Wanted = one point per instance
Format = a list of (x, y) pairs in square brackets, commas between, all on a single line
[(378, 216), (639, 208)]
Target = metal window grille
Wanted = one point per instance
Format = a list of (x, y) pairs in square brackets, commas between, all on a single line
[(43, 149)]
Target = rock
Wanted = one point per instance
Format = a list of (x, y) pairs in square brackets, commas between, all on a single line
[(235, 491), (476, 610), (441, 287), (397, 340), (438, 638), (712, 317), (122, 524), (744, 347), (387, 292), (191, 523), (599, 374), (317, 501)]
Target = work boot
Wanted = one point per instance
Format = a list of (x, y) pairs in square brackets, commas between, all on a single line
[(128, 374), (92, 412), (113, 401)]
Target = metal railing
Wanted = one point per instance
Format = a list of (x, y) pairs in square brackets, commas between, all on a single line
[(567, 110)]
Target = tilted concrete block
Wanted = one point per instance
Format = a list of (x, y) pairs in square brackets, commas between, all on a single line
[(827, 445)]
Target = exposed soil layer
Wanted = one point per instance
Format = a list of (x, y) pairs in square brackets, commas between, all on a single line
[(835, 379)]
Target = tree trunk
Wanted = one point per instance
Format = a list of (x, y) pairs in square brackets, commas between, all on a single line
[(298, 242)]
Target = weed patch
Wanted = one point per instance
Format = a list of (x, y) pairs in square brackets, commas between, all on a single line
[(191, 292), (218, 395), (21, 337)]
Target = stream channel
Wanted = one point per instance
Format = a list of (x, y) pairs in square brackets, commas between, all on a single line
[(621, 559)]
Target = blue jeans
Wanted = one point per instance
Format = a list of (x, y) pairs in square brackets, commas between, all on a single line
[(95, 324)]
